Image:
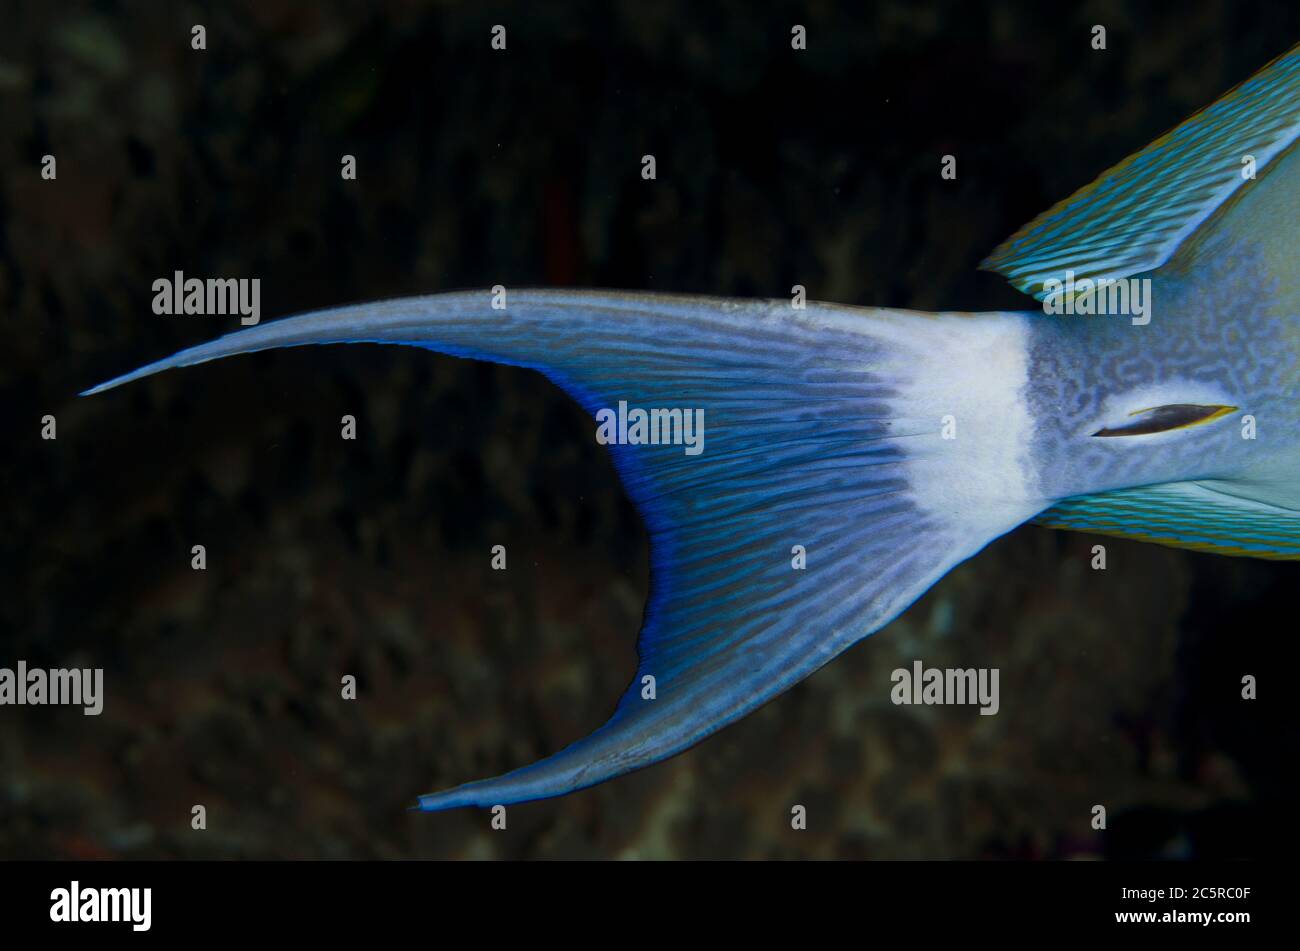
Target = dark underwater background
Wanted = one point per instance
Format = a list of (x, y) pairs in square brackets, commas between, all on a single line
[(371, 558)]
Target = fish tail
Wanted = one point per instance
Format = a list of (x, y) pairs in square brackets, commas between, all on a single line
[(825, 467)]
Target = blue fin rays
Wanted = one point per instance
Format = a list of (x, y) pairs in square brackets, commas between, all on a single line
[(1133, 217), (801, 453)]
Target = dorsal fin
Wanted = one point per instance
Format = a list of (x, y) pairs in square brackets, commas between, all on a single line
[(1136, 215)]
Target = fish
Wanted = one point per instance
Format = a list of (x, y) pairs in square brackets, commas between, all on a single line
[(849, 457)]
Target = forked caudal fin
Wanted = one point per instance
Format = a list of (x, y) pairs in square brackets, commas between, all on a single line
[(844, 460)]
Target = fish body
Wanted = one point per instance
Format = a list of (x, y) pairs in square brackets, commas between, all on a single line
[(1224, 330), (852, 456)]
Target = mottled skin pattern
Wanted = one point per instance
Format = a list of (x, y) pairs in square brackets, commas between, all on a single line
[(1225, 327)]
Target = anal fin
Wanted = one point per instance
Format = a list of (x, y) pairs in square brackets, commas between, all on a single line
[(1184, 515)]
